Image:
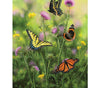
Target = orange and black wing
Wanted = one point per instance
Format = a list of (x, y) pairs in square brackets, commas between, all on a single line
[(66, 69), (66, 65), (71, 63), (60, 68), (70, 35)]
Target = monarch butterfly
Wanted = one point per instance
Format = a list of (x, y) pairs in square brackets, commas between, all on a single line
[(66, 65), (70, 36), (35, 42), (55, 7)]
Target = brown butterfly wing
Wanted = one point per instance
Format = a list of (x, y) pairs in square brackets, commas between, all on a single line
[(60, 67)]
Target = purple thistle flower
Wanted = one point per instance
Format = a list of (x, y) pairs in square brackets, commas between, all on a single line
[(69, 3), (64, 59), (77, 23), (46, 33), (36, 68), (31, 63), (16, 51), (28, 1), (61, 28), (74, 51), (45, 15), (15, 12), (54, 30), (41, 36)]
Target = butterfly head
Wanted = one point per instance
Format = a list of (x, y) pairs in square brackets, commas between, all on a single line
[(72, 26), (65, 62)]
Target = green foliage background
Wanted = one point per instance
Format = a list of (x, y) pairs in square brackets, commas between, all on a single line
[(46, 58)]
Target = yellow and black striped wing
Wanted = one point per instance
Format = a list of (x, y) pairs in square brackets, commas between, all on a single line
[(33, 37), (43, 43), (58, 3)]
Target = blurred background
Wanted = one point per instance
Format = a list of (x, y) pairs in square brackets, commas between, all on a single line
[(27, 15)]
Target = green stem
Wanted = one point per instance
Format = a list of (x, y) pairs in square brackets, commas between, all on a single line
[(63, 82), (34, 79), (63, 41), (28, 71), (44, 68), (44, 30), (60, 51), (68, 16), (44, 56)]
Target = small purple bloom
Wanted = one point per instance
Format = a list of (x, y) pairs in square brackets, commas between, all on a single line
[(45, 15), (54, 30), (31, 63), (41, 36), (73, 51), (28, 1), (46, 33), (69, 3), (64, 59), (16, 51), (15, 12), (36, 68), (55, 67), (77, 23), (61, 28)]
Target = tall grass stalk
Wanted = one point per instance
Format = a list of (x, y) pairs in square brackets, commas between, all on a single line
[(43, 59), (34, 80), (68, 16), (28, 71)]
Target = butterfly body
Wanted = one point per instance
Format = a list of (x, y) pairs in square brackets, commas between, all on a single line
[(32, 47), (55, 7), (66, 66), (35, 42), (70, 35)]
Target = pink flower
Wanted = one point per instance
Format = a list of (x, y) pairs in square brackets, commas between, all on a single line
[(54, 30), (28, 1), (45, 15), (69, 3), (31, 63), (41, 35), (73, 51), (15, 12), (36, 68), (64, 59), (77, 23), (61, 28), (16, 51)]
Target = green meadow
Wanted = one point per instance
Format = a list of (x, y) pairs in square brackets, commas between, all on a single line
[(35, 68)]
